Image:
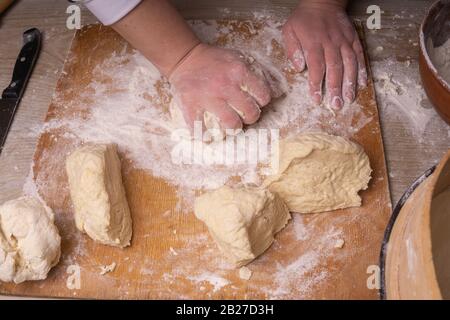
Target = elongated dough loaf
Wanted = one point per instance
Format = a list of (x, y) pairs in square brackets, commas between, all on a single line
[(98, 195)]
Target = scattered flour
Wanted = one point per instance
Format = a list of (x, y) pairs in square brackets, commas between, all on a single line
[(400, 93), (172, 251), (298, 269), (216, 281)]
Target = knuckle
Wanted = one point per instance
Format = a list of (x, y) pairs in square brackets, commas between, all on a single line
[(335, 65)]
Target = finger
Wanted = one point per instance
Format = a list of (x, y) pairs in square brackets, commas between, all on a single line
[(192, 114), (315, 62), (245, 106), (334, 73), (227, 117), (362, 71), (293, 48), (257, 88), (350, 73)]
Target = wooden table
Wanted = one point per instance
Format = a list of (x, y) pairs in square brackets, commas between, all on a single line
[(407, 158)]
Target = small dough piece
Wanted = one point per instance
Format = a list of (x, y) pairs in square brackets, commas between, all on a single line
[(98, 195), (30, 244), (245, 273), (319, 172), (243, 221), (339, 244), (108, 268)]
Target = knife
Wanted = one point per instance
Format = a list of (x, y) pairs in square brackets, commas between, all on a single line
[(22, 70)]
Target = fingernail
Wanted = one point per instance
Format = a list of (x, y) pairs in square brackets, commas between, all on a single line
[(349, 96), (317, 97), (337, 103)]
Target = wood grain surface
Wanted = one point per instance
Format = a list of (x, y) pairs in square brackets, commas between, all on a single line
[(292, 268)]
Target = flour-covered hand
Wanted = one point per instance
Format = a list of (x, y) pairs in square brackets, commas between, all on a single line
[(320, 36), (220, 82)]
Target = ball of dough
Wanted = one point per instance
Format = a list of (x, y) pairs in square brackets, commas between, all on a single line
[(320, 172), (29, 241), (243, 221), (98, 195)]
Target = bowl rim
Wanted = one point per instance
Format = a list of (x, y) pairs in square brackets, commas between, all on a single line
[(390, 226), (435, 173), (423, 47)]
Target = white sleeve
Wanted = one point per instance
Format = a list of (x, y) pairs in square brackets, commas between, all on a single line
[(111, 11)]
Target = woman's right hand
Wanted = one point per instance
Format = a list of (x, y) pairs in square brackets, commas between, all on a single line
[(220, 82)]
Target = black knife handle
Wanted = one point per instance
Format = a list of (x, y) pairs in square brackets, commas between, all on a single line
[(24, 64)]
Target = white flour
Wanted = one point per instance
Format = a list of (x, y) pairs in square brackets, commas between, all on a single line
[(214, 280), (440, 57), (400, 93)]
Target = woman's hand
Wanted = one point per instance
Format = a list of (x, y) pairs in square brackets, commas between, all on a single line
[(320, 35), (220, 82)]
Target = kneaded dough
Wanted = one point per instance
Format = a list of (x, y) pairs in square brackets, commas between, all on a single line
[(243, 221), (29, 241), (98, 195), (320, 172)]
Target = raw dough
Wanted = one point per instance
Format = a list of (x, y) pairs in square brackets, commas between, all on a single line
[(339, 244), (320, 172), (243, 221), (245, 273), (29, 241), (108, 268), (98, 195)]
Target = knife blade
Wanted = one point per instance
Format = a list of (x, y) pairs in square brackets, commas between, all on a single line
[(22, 70)]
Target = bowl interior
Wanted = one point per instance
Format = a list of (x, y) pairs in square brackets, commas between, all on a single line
[(437, 24), (439, 227)]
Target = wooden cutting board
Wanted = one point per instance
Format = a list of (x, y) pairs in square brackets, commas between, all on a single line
[(172, 254)]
